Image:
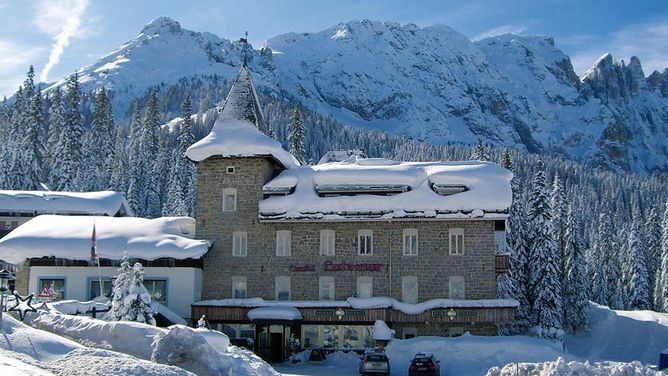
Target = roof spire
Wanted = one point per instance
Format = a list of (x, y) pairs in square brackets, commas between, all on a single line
[(244, 42)]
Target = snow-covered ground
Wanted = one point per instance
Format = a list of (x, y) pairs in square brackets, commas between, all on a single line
[(615, 336), (618, 343)]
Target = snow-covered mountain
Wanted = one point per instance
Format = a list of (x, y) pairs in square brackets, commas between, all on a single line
[(430, 84)]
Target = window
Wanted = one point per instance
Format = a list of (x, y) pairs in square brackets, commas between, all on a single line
[(457, 241), (229, 199), (157, 288), (94, 288), (230, 169), (409, 289), (327, 238), (55, 285), (282, 288), (239, 243), (326, 285), (500, 238), (365, 242), (283, 239), (364, 287), (410, 242), (239, 287), (456, 287)]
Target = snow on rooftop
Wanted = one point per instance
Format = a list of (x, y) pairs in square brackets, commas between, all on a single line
[(237, 131), (69, 237), (93, 203), (364, 303), (274, 313), (488, 193)]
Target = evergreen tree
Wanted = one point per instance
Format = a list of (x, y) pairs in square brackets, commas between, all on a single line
[(138, 299), (652, 238), (99, 146), (148, 156), (479, 152), (118, 177), (506, 161), (68, 149), (180, 197), (544, 262), (56, 126), (122, 283), (638, 293), (558, 207), (136, 177), (32, 148), (661, 289), (576, 301), (296, 137)]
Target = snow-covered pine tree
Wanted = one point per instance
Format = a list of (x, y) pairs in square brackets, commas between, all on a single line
[(118, 180), (544, 261), (652, 236), (479, 152), (68, 149), (201, 323), (180, 197), (138, 300), (506, 161), (148, 156), (136, 177), (56, 126), (558, 207), (99, 145), (661, 289), (296, 137), (122, 285), (576, 299), (32, 147), (638, 292)]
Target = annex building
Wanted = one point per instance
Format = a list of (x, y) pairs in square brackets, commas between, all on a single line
[(319, 253)]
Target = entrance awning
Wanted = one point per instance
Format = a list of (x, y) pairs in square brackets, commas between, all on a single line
[(274, 313)]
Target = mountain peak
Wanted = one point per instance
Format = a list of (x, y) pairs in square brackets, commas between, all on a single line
[(161, 24)]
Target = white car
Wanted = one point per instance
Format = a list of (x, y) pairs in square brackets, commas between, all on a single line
[(375, 363)]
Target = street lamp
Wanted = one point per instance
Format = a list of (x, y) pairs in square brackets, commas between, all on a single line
[(340, 313), (452, 314), (5, 277)]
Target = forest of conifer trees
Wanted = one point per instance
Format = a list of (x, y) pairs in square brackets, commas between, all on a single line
[(574, 233)]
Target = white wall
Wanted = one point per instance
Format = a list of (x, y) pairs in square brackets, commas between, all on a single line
[(183, 284)]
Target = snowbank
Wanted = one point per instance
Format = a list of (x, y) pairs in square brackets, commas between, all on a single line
[(621, 336), (562, 368), (44, 202), (364, 303), (382, 332), (234, 134), (487, 193), (69, 237)]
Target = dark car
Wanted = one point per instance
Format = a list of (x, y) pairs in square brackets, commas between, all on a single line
[(374, 363), (424, 365)]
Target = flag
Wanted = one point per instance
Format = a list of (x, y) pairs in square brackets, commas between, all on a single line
[(93, 246)]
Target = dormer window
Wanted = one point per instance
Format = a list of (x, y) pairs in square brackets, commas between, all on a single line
[(353, 190), (448, 189)]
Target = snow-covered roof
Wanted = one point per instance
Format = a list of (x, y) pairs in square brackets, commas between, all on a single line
[(238, 130), (69, 237), (331, 191), (274, 313), (364, 303), (43, 202)]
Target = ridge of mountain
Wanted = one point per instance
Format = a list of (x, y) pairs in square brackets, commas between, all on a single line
[(430, 84)]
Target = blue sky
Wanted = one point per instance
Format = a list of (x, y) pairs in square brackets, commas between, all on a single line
[(59, 36)]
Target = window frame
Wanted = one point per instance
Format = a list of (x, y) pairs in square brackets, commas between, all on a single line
[(409, 233), (284, 281), (239, 280), (455, 279), (227, 192), (327, 281), (91, 280), (405, 280), (453, 234), (52, 278), (164, 302), (283, 243), (364, 233), (362, 280), (324, 236), (239, 235)]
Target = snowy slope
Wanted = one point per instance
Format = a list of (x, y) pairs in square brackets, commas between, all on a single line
[(430, 84)]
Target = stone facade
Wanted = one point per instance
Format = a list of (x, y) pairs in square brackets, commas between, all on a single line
[(433, 266)]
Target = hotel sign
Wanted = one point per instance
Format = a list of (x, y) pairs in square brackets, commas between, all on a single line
[(467, 313), (331, 312), (331, 266)]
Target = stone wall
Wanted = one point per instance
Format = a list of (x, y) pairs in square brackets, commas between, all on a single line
[(433, 265)]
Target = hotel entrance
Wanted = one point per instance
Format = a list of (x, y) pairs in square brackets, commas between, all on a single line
[(272, 340)]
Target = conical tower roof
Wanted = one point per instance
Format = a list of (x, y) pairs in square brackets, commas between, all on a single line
[(239, 129)]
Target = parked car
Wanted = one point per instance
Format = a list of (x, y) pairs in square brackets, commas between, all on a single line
[(424, 365), (374, 363)]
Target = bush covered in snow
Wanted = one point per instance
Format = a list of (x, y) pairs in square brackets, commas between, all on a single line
[(560, 367)]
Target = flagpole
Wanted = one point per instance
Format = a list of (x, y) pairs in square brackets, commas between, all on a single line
[(97, 257)]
